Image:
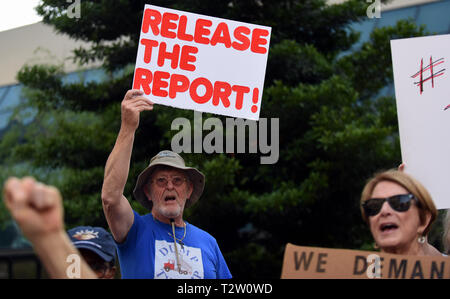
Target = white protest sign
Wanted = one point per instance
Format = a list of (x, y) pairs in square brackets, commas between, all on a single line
[(422, 88), (201, 63)]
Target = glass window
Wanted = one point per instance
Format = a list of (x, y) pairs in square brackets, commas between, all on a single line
[(390, 18), (94, 75), (4, 119), (71, 78), (364, 28), (3, 91), (12, 98), (435, 16)]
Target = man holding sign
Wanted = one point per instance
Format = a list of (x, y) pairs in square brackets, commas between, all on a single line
[(187, 61), (159, 244)]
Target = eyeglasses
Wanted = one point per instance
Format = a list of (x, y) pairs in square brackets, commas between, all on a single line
[(399, 203), (163, 181)]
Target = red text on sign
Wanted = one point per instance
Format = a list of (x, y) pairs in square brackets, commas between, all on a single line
[(185, 58), (164, 84), (173, 26)]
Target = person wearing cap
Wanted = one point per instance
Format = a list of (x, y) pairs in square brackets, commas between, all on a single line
[(97, 247), (160, 244)]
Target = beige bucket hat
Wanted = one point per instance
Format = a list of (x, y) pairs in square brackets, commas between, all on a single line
[(169, 158)]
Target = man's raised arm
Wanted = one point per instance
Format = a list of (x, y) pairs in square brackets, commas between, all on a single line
[(117, 209)]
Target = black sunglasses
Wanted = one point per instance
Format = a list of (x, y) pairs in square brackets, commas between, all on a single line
[(399, 203)]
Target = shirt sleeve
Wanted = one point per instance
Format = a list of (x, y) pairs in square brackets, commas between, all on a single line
[(222, 269), (131, 237)]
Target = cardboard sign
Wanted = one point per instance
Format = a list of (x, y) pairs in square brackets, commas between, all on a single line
[(422, 88), (201, 63), (313, 262)]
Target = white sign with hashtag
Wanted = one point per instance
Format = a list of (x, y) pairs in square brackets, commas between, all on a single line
[(421, 69)]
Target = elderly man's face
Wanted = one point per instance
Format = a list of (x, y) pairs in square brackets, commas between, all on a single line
[(168, 189)]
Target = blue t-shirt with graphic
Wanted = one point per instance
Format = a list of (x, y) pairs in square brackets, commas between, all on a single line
[(149, 252)]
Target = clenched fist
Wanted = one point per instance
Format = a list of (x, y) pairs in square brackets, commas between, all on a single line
[(35, 207)]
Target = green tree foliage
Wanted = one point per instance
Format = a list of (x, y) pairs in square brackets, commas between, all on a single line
[(335, 130)]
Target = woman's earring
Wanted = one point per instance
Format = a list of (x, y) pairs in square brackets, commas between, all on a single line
[(422, 239), (375, 246)]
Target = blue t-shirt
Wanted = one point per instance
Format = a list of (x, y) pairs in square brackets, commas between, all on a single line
[(149, 252)]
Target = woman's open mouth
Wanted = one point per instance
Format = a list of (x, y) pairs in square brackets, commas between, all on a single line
[(388, 227)]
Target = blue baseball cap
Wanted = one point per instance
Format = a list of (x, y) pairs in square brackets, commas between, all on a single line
[(95, 239)]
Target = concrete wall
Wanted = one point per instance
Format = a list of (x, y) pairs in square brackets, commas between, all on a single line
[(34, 44)]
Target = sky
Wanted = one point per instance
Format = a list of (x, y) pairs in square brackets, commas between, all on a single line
[(17, 13)]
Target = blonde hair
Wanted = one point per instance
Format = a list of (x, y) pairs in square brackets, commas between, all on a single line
[(425, 204)]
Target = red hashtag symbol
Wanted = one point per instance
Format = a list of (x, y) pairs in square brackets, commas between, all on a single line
[(430, 68)]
